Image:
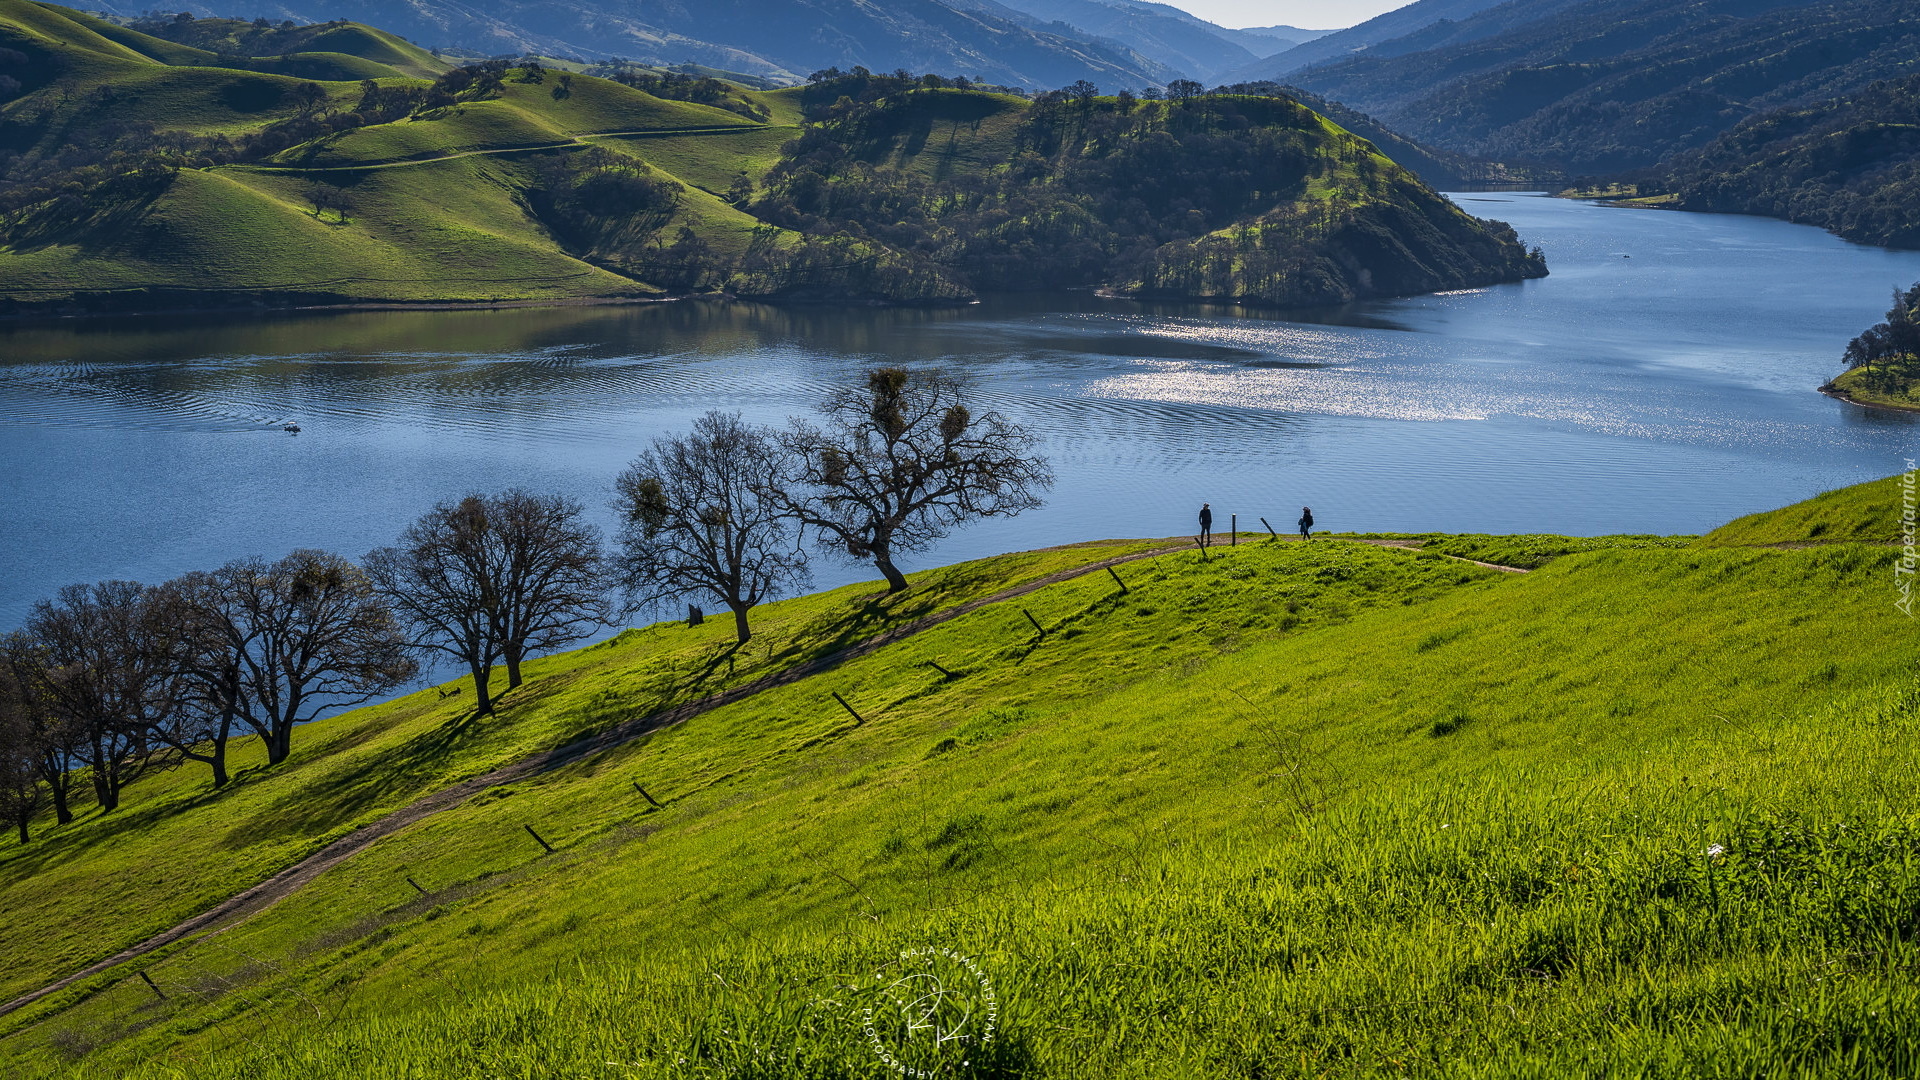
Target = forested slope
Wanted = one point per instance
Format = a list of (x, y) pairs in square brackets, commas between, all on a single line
[(1234, 197), (1848, 164), (1609, 85)]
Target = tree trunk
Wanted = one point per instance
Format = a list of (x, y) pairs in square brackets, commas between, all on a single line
[(219, 761), (279, 744), (21, 821), (482, 695), (896, 581), (512, 657), (62, 813), (740, 629), (106, 791)]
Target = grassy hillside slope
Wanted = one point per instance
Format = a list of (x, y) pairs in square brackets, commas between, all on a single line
[(1294, 809), (1869, 513)]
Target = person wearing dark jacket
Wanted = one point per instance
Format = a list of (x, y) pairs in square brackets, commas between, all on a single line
[(1306, 523), (1206, 524)]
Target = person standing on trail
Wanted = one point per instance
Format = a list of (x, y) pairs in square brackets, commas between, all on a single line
[(1206, 524), (1306, 523)]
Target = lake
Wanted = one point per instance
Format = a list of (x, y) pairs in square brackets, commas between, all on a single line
[(1661, 380)]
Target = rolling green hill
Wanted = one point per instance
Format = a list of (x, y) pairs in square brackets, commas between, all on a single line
[(1293, 809), (142, 172)]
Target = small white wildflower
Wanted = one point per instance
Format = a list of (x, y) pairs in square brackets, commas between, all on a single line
[(1715, 850), (1448, 825)]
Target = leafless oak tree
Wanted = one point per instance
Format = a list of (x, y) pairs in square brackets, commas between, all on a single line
[(51, 736), (491, 580), (898, 463), (20, 751), (558, 587), (700, 513), (92, 657), (275, 645)]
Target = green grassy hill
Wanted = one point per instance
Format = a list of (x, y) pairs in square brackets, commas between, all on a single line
[(126, 152), (1327, 809)]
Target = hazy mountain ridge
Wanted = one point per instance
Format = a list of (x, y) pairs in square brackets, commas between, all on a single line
[(769, 38), (1603, 86), (1341, 43)]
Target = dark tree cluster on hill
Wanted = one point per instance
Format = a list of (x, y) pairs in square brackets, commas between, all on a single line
[(1105, 191), (600, 204), (1887, 354), (119, 679), (1850, 165), (698, 89)]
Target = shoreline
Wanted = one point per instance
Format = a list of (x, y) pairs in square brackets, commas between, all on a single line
[(59, 313), (1841, 395)]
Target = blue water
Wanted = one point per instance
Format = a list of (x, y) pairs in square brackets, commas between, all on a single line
[(1661, 380)]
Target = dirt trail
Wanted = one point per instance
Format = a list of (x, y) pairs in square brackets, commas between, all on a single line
[(283, 884), (1416, 545)]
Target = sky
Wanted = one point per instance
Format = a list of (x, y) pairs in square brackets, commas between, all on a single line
[(1307, 14)]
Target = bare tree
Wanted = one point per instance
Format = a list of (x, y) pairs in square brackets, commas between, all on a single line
[(897, 464), (487, 580), (92, 657), (276, 645), (52, 736), (440, 579), (207, 658), (701, 513), (557, 588), (20, 751)]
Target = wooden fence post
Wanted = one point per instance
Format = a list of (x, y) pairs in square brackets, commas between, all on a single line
[(857, 718), (1034, 621), (644, 795), (536, 836), (148, 979), (1270, 531), (935, 666), (1116, 580)]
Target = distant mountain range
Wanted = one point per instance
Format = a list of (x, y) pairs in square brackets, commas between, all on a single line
[(1037, 44), (1165, 34), (1605, 86), (783, 39), (1324, 48)]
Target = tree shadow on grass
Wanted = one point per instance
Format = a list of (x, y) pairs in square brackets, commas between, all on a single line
[(324, 803)]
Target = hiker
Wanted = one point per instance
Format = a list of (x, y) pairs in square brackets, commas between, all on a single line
[(1306, 523), (1206, 524)]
